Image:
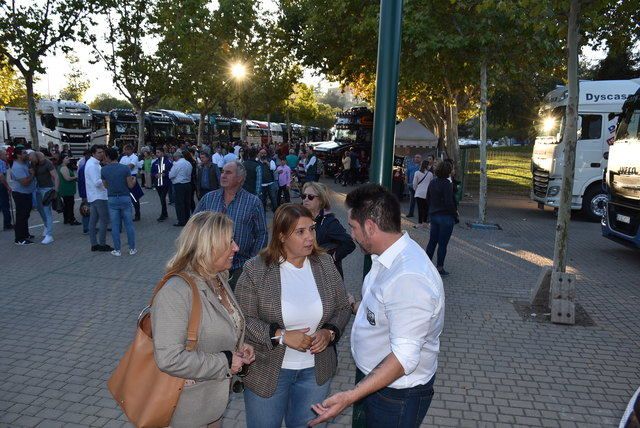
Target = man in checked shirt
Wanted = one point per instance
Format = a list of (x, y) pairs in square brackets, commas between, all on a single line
[(246, 211)]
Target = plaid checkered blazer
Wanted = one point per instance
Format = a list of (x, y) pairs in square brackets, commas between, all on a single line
[(258, 292)]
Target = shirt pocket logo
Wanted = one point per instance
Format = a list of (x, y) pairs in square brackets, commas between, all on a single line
[(371, 317)]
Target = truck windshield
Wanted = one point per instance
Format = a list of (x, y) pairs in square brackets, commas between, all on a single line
[(629, 128), (73, 123), (163, 130), (127, 128), (346, 134), (551, 123), (184, 129)]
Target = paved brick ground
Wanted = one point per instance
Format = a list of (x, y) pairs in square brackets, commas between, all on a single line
[(67, 315)]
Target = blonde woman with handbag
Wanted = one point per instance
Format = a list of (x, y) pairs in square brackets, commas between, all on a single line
[(205, 252)]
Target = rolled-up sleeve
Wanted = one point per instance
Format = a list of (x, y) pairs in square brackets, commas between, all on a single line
[(169, 319), (410, 305)]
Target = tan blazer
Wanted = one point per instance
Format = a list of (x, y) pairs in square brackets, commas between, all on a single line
[(206, 400), (259, 293)]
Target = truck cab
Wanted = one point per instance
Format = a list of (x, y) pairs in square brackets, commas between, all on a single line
[(354, 130), (597, 101), (158, 129), (621, 221), (185, 126), (64, 122), (99, 130), (123, 127)]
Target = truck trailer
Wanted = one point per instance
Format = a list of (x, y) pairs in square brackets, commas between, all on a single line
[(596, 130)]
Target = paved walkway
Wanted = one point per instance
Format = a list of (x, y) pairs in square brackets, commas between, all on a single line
[(67, 315)]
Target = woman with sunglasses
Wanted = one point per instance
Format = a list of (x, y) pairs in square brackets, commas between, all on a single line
[(330, 234), (296, 309)]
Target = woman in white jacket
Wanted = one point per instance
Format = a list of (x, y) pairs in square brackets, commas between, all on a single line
[(421, 180)]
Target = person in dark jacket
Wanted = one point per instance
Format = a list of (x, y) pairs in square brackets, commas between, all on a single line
[(160, 174), (443, 212), (253, 180), (207, 175), (330, 234)]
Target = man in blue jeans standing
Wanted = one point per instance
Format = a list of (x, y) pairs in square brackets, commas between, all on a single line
[(411, 170), (395, 338), (118, 180)]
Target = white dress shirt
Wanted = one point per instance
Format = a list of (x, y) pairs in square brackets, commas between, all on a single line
[(133, 158), (402, 311), (93, 182), (181, 172), (218, 159)]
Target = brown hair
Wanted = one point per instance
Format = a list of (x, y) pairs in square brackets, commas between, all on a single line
[(285, 221), (205, 237), (321, 191)]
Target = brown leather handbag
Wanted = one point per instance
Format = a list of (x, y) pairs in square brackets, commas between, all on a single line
[(147, 396)]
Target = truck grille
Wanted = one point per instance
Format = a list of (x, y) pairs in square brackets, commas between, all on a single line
[(540, 182), (629, 229)]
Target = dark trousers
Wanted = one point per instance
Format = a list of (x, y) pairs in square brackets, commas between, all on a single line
[(67, 210), (423, 209), (441, 230), (24, 204), (283, 192), (412, 201), (162, 193), (270, 192), (391, 407), (5, 206), (182, 202), (136, 202)]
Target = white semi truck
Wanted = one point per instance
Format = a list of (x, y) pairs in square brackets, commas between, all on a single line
[(621, 222), (58, 122), (596, 132)]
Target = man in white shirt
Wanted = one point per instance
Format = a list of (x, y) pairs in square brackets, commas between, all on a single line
[(97, 198), (217, 158), (180, 176), (131, 160), (395, 338)]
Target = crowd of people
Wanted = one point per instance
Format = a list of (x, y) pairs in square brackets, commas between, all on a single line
[(274, 310)]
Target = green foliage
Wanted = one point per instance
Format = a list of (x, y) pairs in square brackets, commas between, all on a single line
[(12, 90), (107, 102), (139, 75), (77, 83)]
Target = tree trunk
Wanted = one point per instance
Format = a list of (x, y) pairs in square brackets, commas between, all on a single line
[(453, 150), (31, 107), (269, 136), (570, 141), (140, 112), (289, 130), (482, 199), (201, 126), (243, 129)]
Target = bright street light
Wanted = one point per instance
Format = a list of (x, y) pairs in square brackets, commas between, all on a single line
[(238, 71)]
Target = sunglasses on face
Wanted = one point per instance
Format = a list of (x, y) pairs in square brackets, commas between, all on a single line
[(305, 196)]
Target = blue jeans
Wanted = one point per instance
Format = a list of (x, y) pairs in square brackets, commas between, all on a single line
[(99, 213), (45, 211), (120, 212), (441, 230), (398, 408), (296, 391)]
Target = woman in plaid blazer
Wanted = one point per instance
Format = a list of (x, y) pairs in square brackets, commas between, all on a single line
[(296, 309)]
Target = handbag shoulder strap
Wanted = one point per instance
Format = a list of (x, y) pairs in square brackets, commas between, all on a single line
[(196, 306)]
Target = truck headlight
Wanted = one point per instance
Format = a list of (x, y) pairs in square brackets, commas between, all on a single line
[(553, 191)]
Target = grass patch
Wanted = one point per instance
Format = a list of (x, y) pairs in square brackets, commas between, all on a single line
[(508, 169)]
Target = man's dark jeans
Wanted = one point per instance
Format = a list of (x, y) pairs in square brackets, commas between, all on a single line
[(162, 193), (399, 408), (23, 211)]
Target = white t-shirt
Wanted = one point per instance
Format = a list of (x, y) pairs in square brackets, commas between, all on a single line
[(301, 308), (132, 159)]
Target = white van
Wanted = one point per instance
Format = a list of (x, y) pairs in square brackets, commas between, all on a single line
[(597, 99)]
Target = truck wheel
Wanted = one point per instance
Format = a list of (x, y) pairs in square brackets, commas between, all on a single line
[(593, 202)]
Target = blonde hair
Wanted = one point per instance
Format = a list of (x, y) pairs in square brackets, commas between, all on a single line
[(205, 237), (321, 191)]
